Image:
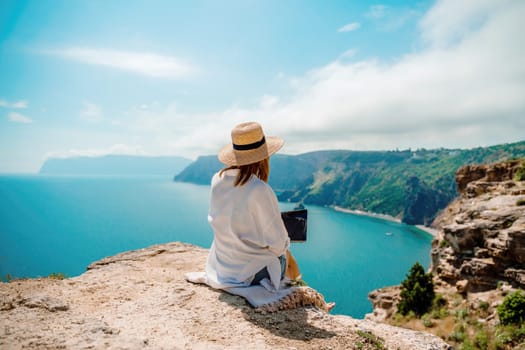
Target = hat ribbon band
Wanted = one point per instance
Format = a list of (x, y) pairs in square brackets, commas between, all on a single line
[(249, 146)]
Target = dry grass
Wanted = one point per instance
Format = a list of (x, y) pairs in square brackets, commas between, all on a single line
[(469, 322)]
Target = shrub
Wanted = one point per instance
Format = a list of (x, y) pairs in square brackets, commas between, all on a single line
[(57, 275), (458, 335), (483, 305), (462, 314), (439, 301), (506, 337), (520, 202), (427, 321), (512, 310), (481, 340), (7, 278), (520, 173), (372, 339), (417, 291)]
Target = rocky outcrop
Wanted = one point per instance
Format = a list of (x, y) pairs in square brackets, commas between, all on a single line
[(140, 300), (482, 233), (480, 239)]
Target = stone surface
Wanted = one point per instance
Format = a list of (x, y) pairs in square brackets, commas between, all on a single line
[(482, 233), (140, 300), (479, 242)]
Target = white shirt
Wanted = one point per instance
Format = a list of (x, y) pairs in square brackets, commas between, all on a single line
[(249, 233)]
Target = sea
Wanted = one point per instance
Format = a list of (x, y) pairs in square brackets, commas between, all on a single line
[(60, 224)]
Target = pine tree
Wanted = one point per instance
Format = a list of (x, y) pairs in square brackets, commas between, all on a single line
[(417, 291)]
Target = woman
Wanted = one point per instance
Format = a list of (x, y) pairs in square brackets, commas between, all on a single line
[(250, 240)]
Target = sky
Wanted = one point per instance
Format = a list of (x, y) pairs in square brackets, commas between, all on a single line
[(90, 78)]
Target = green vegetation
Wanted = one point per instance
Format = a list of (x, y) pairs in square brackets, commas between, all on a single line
[(57, 275), (53, 275), (7, 278), (443, 243), (417, 292), (512, 310), (410, 184), (372, 339), (520, 173), (465, 324)]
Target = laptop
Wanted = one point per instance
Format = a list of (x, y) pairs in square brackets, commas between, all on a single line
[(295, 223)]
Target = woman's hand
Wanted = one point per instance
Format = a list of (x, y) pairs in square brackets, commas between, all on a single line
[(292, 268)]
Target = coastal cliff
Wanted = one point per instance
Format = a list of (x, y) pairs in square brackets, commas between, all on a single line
[(478, 254), (140, 300), (482, 237), (410, 185)]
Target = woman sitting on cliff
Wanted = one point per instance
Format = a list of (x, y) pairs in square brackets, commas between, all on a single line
[(250, 240)]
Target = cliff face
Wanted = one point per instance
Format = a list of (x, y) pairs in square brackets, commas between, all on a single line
[(140, 300), (410, 185), (482, 236), (478, 254)]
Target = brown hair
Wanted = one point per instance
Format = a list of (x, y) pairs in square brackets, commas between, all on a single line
[(260, 169)]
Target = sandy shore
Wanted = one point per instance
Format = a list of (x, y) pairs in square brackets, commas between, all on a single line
[(431, 231), (366, 213)]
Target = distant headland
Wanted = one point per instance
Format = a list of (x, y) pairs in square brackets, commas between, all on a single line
[(412, 186)]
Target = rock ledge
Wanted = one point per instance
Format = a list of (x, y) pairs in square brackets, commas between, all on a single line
[(140, 300)]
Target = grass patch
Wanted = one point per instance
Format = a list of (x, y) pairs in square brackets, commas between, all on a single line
[(520, 173), (464, 325), (372, 339), (57, 275)]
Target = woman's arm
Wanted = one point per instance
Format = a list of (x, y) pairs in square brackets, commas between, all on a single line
[(268, 222)]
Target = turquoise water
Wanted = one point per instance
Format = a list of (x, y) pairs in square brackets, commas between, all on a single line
[(61, 224)]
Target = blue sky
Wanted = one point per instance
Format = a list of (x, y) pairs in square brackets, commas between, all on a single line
[(173, 77)]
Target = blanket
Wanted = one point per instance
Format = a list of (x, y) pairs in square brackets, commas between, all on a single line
[(264, 297)]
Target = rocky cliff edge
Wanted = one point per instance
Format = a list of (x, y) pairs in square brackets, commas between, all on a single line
[(140, 300), (478, 254), (482, 239)]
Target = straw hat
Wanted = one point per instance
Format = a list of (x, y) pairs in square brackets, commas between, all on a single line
[(249, 145)]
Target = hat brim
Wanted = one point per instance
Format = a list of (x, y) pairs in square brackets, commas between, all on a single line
[(232, 157)]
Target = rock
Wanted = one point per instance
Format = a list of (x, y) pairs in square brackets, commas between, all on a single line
[(383, 300), (462, 286), (482, 233), (45, 302), (483, 174), (140, 299)]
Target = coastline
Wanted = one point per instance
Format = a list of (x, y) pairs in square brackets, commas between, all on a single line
[(431, 231)]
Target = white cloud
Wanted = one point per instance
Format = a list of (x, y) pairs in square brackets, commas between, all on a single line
[(450, 21), (349, 27), (376, 11), (347, 54), (144, 63), (91, 113), (467, 94), (19, 118), (268, 101), (390, 19), (21, 104)]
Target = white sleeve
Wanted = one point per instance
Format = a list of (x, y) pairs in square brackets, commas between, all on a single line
[(267, 218)]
